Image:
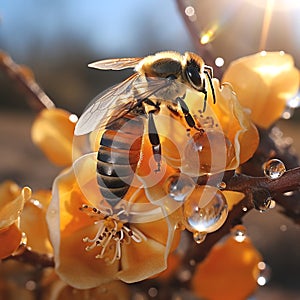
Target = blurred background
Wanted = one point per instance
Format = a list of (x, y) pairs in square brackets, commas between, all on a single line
[(57, 40)]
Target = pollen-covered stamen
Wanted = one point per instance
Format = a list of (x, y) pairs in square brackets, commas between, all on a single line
[(111, 234)]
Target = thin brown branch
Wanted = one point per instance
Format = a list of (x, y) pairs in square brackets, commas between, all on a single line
[(37, 98), (34, 258)]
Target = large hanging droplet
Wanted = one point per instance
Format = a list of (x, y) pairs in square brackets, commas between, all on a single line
[(179, 186), (205, 210), (274, 168), (208, 151)]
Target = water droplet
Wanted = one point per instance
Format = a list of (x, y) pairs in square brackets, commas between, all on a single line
[(262, 200), (199, 237), (205, 210), (221, 185), (245, 208), (264, 273), (274, 168), (179, 186), (239, 233), (208, 151)]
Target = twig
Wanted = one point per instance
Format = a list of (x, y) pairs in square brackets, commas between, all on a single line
[(34, 258), (37, 98)]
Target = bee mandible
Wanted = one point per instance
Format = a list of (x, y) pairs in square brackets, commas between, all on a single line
[(159, 79)]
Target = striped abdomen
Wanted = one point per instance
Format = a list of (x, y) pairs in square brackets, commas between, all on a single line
[(118, 156)]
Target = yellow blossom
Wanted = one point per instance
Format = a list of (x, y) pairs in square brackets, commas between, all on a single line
[(264, 82), (52, 131), (229, 272), (95, 244), (12, 200), (225, 137), (33, 222)]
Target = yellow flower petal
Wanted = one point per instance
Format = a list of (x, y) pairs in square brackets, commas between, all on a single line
[(264, 82), (11, 202), (232, 198), (229, 137), (80, 268), (52, 131), (229, 272), (10, 239), (33, 222), (142, 260)]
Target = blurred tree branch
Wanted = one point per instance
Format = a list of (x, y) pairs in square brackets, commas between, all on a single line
[(24, 78)]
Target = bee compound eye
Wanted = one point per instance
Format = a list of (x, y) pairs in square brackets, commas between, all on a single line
[(194, 77)]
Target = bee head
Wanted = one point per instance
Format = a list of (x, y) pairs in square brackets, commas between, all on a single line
[(194, 71)]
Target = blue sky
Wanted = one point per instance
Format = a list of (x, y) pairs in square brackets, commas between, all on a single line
[(111, 26)]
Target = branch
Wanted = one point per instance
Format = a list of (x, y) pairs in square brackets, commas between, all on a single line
[(37, 98), (34, 258)]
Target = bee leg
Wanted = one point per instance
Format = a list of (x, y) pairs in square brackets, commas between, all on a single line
[(209, 73), (188, 117), (154, 140)]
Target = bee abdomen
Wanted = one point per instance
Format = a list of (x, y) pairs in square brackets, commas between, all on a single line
[(118, 156)]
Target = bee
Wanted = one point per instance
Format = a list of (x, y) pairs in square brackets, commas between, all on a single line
[(162, 78)]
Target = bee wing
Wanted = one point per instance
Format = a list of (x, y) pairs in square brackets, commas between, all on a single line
[(116, 63), (98, 109), (117, 101)]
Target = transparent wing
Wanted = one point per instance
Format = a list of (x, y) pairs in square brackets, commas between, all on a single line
[(116, 63), (118, 100)]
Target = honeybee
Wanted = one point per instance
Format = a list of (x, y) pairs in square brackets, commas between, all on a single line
[(159, 79)]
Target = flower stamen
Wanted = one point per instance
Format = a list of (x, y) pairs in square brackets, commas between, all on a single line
[(111, 234)]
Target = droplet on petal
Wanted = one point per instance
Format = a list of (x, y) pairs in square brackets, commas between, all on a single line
[(205, 210), (208, 151), (179, 186), (274, 168)]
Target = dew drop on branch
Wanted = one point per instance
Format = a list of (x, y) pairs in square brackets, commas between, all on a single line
[(274, 168)]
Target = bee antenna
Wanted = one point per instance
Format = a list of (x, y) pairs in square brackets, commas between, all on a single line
[(208, 74)]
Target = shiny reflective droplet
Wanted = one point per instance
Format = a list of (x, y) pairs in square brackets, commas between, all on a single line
[(245, 208), (274, 168), (199, 237), (262, 200), (205, 210), (264, 273), (179, 186), (239, 233), (221, 185), (267, 204), (208, 151)]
